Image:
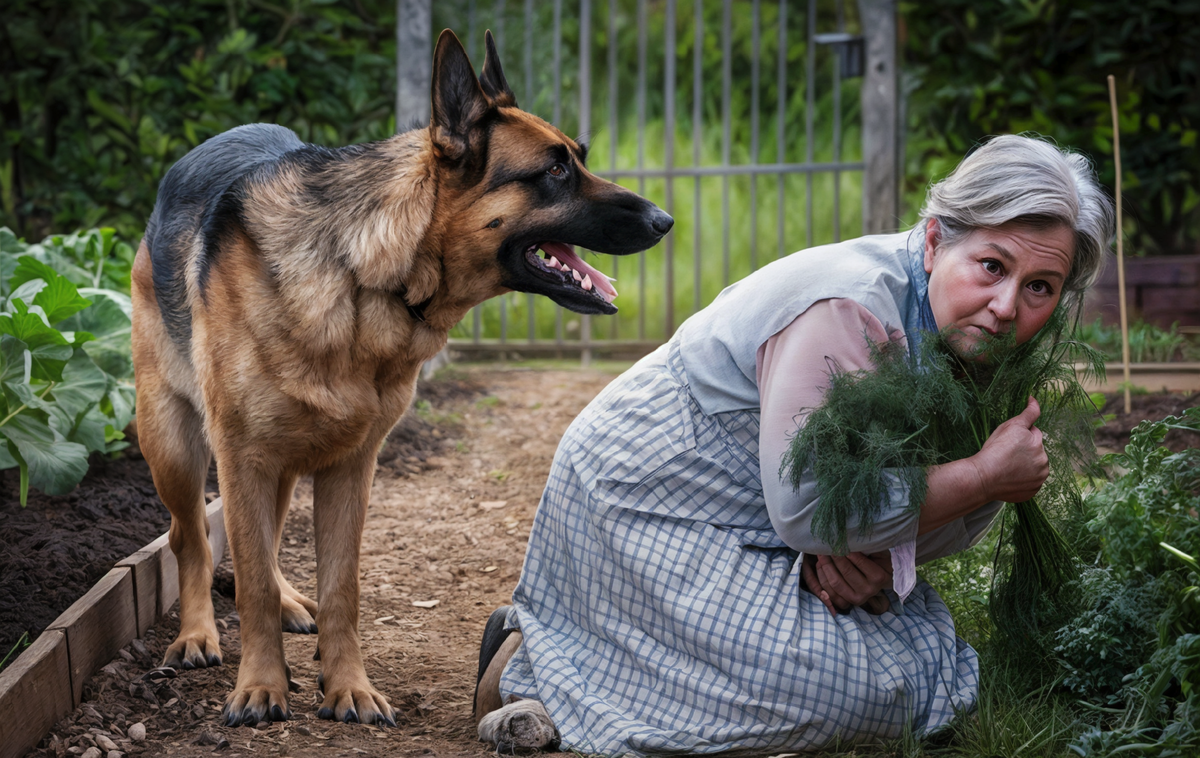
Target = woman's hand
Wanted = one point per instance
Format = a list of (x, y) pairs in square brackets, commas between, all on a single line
[(843, 582), (1013, 465)]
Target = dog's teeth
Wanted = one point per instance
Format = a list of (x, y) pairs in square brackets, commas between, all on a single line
[(587, 282), (575, 274), (552, 262)]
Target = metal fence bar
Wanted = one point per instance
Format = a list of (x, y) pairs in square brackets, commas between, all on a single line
[(529, 95), (500, 7), (837, 133), (746, 170), (557, 120), (585, 126), (697, 97), (612, 125), (781, 98), (755, 45), (669, 160), (641, 156), (726, 119), (477, 311), (810, 85)]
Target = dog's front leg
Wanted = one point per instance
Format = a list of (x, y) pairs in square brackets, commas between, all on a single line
[(262, 684), (340, 496)]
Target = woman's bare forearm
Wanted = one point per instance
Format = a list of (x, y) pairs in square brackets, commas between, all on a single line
[(953, 490)]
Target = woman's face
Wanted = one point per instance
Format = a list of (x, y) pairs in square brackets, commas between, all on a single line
[(994, 281)]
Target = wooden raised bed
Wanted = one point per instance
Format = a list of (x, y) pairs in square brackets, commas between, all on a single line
[(45, 683)]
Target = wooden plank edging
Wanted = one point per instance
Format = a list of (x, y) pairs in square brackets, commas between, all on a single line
[(45, 683)]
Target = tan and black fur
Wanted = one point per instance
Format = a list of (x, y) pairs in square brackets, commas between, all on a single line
[(285, 297)]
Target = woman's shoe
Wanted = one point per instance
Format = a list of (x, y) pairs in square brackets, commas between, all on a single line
[(494, 635)]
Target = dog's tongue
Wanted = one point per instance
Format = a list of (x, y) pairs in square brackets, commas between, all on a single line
[(566, 254)]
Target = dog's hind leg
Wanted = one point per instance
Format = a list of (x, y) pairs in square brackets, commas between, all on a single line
[(171, 438), (340, 495), (299, 613), (250, 494)]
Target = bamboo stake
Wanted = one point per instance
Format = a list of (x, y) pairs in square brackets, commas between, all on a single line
[(1112, 99)]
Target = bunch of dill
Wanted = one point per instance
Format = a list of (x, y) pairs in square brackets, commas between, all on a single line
[(917, 409)]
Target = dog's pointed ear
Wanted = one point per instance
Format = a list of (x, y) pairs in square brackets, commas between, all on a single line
[(458, 101), (492, 79)]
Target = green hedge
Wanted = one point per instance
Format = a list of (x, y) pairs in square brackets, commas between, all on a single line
[(979, 68), (100, 97)]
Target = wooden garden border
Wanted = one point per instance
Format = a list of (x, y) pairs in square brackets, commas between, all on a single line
[(45, 683)]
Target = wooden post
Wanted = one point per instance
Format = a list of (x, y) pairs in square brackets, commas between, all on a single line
[(880, 129), (1112, 99), (414, 62)]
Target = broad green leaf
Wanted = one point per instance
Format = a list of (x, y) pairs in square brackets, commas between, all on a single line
[(58, 298), (48, 349), (55, 465), (108, 319), (16, 363), (6, 460), (90, 431), (82, 386), (119, 405)]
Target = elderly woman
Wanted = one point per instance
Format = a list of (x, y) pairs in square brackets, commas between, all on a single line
[(674, 598)]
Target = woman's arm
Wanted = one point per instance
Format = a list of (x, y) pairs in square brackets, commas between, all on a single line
[(793, 372)]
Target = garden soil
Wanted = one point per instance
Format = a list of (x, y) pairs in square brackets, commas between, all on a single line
[(454, 497)]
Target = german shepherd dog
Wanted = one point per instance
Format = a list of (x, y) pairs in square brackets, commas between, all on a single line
[(285, 297)]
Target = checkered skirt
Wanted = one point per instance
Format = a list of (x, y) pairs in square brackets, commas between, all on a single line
[(660, 613)]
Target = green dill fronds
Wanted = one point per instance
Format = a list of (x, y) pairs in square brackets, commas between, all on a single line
[(912, 411)]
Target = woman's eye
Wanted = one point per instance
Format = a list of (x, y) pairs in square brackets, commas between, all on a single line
[(557, 170), (1040, 288), (993, 267)]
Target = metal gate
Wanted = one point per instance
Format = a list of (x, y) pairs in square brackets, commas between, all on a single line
[(775, 127)]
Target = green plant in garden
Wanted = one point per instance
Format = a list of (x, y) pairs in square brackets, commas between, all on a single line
[(1148, 343), (914, 411), (65, 371)]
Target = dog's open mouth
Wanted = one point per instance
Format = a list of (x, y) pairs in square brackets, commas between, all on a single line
[(562, 265)]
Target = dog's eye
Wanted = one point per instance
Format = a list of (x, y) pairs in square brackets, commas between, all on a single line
[(494, 224), (557, 169)]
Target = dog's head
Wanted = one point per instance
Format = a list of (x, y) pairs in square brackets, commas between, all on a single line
[(515, 194)]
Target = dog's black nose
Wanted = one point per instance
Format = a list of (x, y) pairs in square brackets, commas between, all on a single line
[(661, 223)]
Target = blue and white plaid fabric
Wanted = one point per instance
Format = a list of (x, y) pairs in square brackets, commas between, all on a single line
[(661, 613)]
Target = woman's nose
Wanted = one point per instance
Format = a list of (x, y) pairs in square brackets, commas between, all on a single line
[(1004, 304)]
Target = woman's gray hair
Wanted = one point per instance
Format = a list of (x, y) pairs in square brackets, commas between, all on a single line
[(1029, 180)]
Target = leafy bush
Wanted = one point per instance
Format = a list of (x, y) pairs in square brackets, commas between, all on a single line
[(976, 69), (1148, 343), (1100, 646), (100, 97), (65, 366), (1155, 500)]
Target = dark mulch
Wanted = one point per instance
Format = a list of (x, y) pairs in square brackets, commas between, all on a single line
[(1154, 407), (54, 550)]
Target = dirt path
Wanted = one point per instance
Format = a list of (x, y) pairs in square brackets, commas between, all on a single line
[(451, 528)]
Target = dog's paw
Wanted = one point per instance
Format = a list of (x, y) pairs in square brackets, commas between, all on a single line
[(520, 725), (356, 705), (298, 614), (195, 650), (296, 618), (250, 705)]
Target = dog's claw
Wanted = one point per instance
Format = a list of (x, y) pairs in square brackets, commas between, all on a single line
[(325, 713), (277, 714), (213, 660), (317, 653), (351, 717)]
